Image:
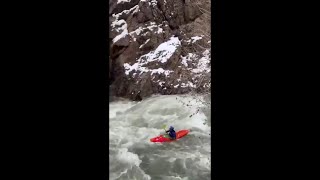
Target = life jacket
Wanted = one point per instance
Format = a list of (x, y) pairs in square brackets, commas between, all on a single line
[(172, 133)]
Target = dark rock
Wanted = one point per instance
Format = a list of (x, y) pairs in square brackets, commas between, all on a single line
[(137, 97), (191, 12), (129, 55), (115, 8), (178, 18), (145, 13)]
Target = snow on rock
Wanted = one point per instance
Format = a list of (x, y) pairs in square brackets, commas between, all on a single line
[(124, 32), (137, 31), (192, 68), (151, 27), (203, 64), (144, 43), (162, 54), (134, 9), (160, 71), (160, 30), (200, 68), (185, 85), (161, 83), (164, 50), (194, 39), (122, 1), (118, 24), (189, 57), (121, 25), (153, 3), (184, 61)]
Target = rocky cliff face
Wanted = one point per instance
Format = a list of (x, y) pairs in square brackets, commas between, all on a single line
[(159, 46)]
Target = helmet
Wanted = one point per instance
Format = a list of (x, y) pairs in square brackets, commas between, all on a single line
[(171, 128)]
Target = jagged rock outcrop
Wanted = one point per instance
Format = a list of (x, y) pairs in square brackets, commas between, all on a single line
[(159, 46)]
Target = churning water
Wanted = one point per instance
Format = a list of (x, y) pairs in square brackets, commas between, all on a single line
[(133, 156)]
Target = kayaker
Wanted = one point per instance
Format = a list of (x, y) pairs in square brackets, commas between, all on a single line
[(171, 133)]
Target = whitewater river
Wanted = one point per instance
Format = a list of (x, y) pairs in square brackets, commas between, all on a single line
[(133, 156)]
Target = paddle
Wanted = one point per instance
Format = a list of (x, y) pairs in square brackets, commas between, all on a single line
[(164, 128)]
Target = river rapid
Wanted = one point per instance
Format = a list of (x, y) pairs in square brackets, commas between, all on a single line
[(133, 156)]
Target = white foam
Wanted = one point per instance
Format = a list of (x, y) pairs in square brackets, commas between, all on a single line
[(128, 157), (119, 107)]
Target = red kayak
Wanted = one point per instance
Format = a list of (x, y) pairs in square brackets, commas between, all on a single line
[(165, 138)]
